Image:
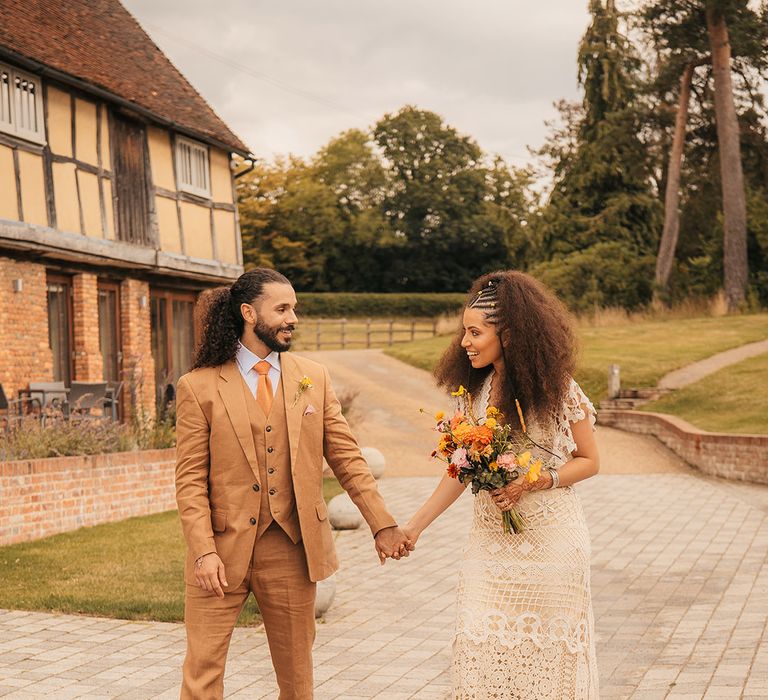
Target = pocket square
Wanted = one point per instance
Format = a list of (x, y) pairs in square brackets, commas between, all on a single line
[(309, 410)]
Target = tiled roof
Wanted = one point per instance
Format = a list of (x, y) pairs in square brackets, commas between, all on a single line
[(100, 43)]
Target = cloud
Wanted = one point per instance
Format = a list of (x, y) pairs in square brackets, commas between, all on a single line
[(289, 76)]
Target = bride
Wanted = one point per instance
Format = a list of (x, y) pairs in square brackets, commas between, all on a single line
[(524, 625)]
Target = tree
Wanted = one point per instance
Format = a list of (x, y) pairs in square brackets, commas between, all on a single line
[(602, 190), (729, 37), (438, 203)]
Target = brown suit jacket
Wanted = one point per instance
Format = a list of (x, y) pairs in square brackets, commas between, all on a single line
[(217, 474)]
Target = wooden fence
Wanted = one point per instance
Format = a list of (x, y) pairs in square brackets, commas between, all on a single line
[(334, 334)]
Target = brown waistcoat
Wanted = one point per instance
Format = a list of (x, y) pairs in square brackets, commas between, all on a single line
[(273, 452)]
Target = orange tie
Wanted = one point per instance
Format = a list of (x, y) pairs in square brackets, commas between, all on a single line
[(264, 393)]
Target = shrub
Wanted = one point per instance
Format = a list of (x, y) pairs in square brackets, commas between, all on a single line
[(343, 304), (29, 439)]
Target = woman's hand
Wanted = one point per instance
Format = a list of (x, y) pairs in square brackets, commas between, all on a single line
[(411, 533), (507, 496)]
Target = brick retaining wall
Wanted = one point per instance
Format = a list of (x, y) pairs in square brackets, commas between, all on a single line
[(46, 496), (731, 456)]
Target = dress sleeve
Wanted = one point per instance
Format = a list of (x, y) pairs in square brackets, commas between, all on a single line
[(575, 402)]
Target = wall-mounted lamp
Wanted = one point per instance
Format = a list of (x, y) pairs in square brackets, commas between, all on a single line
[(143, 301), (18, 285)]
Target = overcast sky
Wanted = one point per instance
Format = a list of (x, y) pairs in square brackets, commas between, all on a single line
[(289, 75)]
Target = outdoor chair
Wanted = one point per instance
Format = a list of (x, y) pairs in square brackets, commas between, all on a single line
[(84, 397), (48, 395), (112, 399), (10, 409)]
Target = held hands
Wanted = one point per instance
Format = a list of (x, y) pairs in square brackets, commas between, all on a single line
[(210, 575), (393, 543), (507, 496)]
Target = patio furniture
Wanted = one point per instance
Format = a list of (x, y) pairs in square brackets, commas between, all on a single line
[(112, 400), (48, 395), (84, 397)]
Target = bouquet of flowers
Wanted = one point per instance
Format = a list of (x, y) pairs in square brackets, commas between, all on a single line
[(486, 453)]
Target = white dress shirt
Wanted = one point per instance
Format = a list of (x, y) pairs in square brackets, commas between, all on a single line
[(246, 360)]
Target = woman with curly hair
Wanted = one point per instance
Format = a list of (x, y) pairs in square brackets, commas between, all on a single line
[(524, 625)]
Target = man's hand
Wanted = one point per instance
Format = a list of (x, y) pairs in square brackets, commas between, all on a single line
[(392, 542), (209, 572)]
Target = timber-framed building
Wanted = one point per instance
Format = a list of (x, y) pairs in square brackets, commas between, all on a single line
[(117, 204)]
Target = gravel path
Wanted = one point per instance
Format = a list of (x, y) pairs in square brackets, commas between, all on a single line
[(698, 370), (390, 394)]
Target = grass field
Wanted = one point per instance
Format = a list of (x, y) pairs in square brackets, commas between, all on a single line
[(732, 400), (130, 570), (644, 350)]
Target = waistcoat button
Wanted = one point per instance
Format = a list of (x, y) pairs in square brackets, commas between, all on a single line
[(255, 487), (269, 428), (271, 470), (270, 449), (253, 521), (272, 492)]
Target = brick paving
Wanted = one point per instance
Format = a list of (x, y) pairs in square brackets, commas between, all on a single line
[(680, 583)]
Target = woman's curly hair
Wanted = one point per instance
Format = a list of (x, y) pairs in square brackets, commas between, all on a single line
[(222, 322), (537, 342)]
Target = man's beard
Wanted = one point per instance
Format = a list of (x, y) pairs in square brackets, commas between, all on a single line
[(268, 335)]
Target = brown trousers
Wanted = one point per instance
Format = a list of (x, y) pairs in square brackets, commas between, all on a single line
[(279, 579)]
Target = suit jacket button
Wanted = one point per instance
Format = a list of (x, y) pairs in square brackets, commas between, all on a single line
[(269, 428), (270, 449), (253, 521), (255, 487), (271, 470), (272, 492)]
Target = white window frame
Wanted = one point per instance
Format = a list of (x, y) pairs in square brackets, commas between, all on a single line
[(189, 178), (11, 108)]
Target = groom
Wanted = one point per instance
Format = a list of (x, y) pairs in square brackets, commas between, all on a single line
[(253, 425)]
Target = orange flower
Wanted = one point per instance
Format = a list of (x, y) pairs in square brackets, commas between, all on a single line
[(457, 418), (462, 433), (481, 435), (453, 471)]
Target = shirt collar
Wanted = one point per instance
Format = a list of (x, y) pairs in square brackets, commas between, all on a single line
[(247, 359)]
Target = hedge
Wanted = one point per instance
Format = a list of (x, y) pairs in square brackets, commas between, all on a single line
[(361, 305)]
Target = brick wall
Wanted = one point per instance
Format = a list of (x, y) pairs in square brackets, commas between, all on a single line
[(88, 360), (24, 351), (740, 457), (138, 364), (47, 496)]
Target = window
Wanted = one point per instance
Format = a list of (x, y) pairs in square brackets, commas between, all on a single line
[(21, 105), (173, 338), (60, 326), (109, 330), (192, 167)]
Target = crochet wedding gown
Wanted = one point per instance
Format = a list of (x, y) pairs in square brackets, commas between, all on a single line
[(524, 627)]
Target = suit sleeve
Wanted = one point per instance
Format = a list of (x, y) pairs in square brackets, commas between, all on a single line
[(192, 466), (346, 461)]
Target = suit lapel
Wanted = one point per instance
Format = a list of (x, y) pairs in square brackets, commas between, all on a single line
[(294, 410), (231, 392)]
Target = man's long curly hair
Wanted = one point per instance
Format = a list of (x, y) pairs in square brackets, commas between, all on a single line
[(537, 342), (222, 321)]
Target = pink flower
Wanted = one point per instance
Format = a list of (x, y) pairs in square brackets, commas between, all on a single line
[(459, 458), (507, 461)]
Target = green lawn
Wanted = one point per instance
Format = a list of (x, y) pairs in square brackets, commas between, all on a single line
[(644, 350), (732, 400), (131, 570)]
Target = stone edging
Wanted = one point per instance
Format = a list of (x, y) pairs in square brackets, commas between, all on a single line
[(728, 455)]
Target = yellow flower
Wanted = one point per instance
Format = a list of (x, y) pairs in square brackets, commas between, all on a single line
[(439, 415), (491, 423), (492, 412), (534, 472), (493, 466), (523, 459), (305, 383), (460, 391)]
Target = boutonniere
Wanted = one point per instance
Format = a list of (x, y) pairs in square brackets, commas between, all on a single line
[(304, 384)]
